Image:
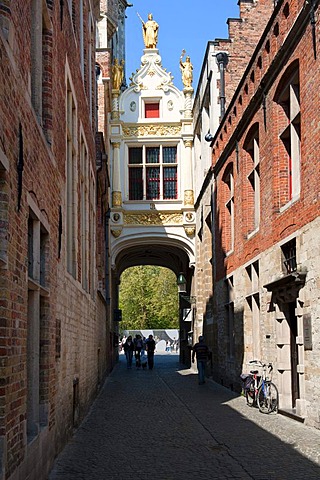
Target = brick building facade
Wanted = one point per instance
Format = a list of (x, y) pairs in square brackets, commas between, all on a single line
[(57, 333), (258, 215)]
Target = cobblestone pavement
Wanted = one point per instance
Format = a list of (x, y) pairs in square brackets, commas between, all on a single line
[(161, 424)]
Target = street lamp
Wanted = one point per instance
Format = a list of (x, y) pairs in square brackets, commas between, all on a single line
[(182, 289), (182, 283)]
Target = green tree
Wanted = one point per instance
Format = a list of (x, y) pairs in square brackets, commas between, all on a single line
[(148, 298)]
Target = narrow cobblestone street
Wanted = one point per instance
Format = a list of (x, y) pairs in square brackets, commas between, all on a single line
[(162, 425)]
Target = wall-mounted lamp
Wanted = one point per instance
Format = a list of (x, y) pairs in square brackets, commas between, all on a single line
[(182, 283), (182, 288)]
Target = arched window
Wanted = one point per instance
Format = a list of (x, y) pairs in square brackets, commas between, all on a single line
[(288, 99), (251, 194), (227, 226)]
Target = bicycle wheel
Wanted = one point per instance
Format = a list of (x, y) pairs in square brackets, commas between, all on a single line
[(250, 394), (268, 397)]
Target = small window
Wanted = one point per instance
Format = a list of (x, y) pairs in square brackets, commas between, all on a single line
[(289, 256), (151, 110)]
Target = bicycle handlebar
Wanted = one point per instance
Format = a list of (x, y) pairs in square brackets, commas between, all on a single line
[(258, 362)]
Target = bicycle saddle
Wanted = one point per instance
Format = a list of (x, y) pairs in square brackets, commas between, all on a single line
[(254, 371)]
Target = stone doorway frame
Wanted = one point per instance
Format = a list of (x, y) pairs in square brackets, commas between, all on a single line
[(286, 290)]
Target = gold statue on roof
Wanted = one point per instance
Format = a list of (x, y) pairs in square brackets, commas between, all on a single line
[(149, 31), (186, 70)]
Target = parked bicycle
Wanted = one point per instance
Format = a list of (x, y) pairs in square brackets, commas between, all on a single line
[(259, 389)]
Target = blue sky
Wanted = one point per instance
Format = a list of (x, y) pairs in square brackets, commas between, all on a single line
[(183, 24)]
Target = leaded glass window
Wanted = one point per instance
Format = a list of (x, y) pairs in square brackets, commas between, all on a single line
[(156, 182)]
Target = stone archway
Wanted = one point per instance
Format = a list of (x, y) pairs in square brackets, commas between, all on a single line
[(166, 254)]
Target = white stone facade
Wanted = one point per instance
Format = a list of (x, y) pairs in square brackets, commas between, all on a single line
[(159, 221)]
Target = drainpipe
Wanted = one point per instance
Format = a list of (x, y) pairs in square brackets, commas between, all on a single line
[(222, 59), (107, 279)]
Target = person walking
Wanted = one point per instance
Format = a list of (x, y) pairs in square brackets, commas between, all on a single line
[(151, 346), (138, 346), (128, 348), (201, 352)]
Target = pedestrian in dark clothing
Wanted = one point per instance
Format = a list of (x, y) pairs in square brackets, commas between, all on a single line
[(138, 346), (128, 348), (201, 351), (151, 346)]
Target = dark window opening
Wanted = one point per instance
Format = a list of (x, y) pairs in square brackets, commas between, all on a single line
[(135, 184), (289, 256)]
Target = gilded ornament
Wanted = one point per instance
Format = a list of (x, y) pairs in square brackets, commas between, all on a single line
[(116, 199), (189, 197), (115, 115), (116, 232), (153, 218), (139, 87), (116, 145), (189, 217), (190, 231), (188, 143), (151, 130)]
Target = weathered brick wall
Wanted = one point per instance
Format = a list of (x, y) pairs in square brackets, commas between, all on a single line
[(288, 39), (74, 352)]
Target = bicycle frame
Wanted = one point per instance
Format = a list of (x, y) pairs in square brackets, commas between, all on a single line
[(257, 392)]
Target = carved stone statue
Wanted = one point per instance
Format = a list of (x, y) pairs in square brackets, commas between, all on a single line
[(186, 71), (117, 74), (150, 32)]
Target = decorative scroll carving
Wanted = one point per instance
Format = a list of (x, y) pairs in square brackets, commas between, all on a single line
[(151, 130), (153, 218), (151, 66)]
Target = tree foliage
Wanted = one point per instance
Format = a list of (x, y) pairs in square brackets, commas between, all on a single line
[(148, 298)]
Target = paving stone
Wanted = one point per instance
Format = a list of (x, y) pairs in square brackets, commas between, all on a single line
[(162, 424)]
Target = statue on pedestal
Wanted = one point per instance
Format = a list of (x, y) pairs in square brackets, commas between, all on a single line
[(186, 70), (150, 32), (117, 74)]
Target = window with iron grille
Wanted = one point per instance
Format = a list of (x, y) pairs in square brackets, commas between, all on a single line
[(153, 173), (289, 255)]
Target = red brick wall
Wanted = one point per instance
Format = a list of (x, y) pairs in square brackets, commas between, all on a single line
[(244, 34), (71, 331), (275, 224)]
